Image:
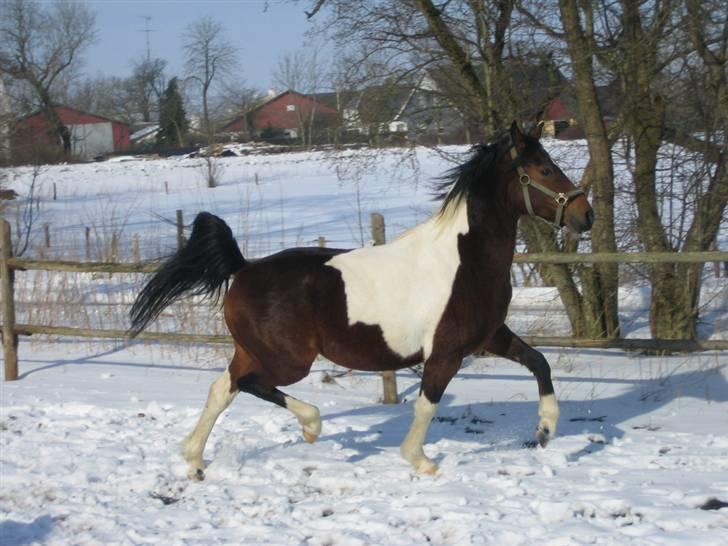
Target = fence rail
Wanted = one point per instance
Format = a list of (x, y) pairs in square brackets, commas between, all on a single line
[(9, 265), (530, 258)]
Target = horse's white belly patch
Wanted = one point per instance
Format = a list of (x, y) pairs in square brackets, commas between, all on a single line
[(403, 287)]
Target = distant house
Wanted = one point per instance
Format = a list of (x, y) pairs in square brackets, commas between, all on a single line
[(91, 135), (401, 112), (561, 115), (284, 116), (145, 135)]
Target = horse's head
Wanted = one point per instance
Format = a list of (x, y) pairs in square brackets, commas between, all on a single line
[(541, 188)]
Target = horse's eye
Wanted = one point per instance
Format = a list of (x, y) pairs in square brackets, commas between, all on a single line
[(546, 171)]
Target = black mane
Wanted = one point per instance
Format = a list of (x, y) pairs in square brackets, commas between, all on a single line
[(458, 182)]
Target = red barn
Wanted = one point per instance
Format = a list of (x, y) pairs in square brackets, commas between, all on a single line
[(91, 135), (285, 113)]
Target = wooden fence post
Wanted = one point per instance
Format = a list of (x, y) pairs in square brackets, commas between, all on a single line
[(135, 252), (10, 338), (114, 256), (180, 230), (389, 379), (87, 232)]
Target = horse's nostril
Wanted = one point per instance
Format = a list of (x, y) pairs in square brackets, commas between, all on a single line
[(589, 218)]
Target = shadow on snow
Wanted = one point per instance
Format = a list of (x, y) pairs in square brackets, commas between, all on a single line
[(507, 425)]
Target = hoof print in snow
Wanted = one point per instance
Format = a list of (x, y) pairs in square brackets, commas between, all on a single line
[(165, 500), (599, 419), (650, 428), (713, 504), (467, 417)]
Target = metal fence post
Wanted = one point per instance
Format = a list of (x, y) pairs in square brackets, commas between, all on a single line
[(389, 379), (180, 230)]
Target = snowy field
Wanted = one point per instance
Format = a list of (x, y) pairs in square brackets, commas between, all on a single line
[(89, 443), (89, 436)]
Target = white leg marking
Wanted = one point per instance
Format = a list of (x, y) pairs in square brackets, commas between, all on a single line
[(548, 410), (411, 447), (307, 415), (193, 445)]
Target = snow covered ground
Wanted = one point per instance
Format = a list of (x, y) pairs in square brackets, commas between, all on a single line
[(89, 454)]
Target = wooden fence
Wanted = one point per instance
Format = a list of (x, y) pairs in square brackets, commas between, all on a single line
[(10, 330)]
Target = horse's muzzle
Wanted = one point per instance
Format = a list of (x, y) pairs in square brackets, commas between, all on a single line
[(579, 222)]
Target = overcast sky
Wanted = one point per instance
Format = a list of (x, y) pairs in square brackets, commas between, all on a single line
[(262, 31)]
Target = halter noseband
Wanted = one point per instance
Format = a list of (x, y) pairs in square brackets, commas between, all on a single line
[(562, 199)]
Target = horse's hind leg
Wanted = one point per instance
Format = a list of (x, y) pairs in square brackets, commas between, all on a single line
[(308, 416), (221, 394)]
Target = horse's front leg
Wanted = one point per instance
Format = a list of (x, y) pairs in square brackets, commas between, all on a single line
[(508, 345), (436, 375)]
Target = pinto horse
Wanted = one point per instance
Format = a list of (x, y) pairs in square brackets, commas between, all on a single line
[(436, 294)]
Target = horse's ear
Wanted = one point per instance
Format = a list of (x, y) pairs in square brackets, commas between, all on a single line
[(537, 130), (517, 137)]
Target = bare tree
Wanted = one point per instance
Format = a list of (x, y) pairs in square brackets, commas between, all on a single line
[(236, 98), (40, 43), (302, 72), (209, 58), (146, 85), (106, 96)]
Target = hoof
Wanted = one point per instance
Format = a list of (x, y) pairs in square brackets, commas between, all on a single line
[(427, 467), (543, 435), (309, 437), (196, 474)]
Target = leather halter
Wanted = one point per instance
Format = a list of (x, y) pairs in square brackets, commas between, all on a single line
[(562, 199)]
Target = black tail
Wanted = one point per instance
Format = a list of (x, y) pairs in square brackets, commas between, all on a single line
[(200, 267)]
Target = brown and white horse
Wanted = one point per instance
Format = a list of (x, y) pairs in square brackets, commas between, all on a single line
[(435, 295)]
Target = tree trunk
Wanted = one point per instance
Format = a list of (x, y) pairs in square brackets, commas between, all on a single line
[(675, 288), (59, 129), (458, 57), (540, 238), (603, 277), (206, 116)]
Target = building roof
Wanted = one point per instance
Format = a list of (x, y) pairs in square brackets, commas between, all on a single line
[(60, 107)]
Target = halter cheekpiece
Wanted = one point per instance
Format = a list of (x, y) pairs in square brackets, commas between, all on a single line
[(562, 199)]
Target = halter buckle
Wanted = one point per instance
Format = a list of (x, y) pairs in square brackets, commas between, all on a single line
[(524, 179), (561, 199)]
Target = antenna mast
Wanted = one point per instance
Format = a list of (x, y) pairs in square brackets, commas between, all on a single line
[(147, 31)]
